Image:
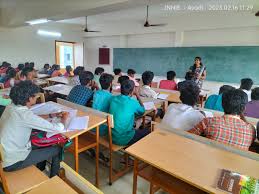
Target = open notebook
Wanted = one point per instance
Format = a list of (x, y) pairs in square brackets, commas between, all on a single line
[(73, 123)]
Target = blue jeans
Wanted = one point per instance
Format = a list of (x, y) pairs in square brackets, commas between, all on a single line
[(139, 134)]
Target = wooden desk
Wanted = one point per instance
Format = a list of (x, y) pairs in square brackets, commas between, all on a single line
[(82, 139), (193, 162), (54, 185), (62, 80), (174, 96), (251, 120), (60, 89)]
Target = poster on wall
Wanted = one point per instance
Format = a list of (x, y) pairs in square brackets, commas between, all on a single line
[(104, 56)]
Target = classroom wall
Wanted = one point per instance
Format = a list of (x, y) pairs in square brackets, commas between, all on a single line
[(242, 36), (23, 44)]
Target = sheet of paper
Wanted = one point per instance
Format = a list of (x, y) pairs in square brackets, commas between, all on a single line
[(149, 105), (162, 96), (208, 114), (50, 108), (76, 123)]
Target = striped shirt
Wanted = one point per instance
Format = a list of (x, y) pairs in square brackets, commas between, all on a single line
[(227, 129)]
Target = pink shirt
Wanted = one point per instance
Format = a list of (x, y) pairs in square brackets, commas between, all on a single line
[(168, 85)]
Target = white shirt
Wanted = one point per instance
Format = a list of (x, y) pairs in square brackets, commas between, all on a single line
[(16, 125), (182, 116), (147, 92), (248, 92)]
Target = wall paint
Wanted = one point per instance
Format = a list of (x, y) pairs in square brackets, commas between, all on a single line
[(19, 45)]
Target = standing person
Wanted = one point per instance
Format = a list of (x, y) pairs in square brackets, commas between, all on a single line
[(252, 107), (117, 74), (131, 73), (199, 71)]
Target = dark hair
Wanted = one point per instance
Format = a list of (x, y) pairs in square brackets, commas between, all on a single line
[(188, 76), (26, 64), (46, 66), (117, 71), (225, 88), (68, 69), (170, 75), (11, 73), (194, 65), (234, 101), (20, 66), (21, 92), (127, 87), (78, 70), (122, 78), (31, 64), (98, 71), (147, 77), (26, 71), (106, 80), (85, 77), (246, 84), (4, 64), (255, 94), (131, 71), (189, 92)]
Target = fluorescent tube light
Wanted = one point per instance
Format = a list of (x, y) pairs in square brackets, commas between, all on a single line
[(38, 21), (49, 33)]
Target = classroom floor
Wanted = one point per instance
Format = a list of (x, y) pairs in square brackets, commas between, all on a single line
[(121, 186)]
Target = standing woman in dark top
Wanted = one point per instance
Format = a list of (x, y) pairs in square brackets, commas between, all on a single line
[(199, 71)]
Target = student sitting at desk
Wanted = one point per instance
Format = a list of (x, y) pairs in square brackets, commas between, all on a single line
[(131, 74), (68, 72), (146, 90), (16, 125), (246, 85), (55, 71), (124, 108), (184, 116), (10, 78), (45, 69), (117, 74), (252, 107), (77, 71), (82, 94), (170, 83), (27, 74), (231, 128), (214, 102), (102, 98), (97, 74)]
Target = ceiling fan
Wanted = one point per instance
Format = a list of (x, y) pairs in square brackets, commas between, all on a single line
[(147, 24), (257, 14), (86, 28)]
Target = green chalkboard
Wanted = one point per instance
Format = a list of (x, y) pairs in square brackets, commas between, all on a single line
[(226, 64)]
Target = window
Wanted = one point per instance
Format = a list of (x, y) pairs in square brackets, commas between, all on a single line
[(65, 54)]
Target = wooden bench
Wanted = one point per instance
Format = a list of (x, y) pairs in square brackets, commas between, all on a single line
[(21, 180)]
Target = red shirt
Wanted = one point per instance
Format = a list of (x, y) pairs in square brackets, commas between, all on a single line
[(227, 129), (168, 85)]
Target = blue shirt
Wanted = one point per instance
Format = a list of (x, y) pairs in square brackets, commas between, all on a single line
[(124, 108), (80, 95), (214, 102), (101, 102)]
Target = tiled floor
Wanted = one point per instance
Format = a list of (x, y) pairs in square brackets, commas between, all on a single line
[(121, 186)]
